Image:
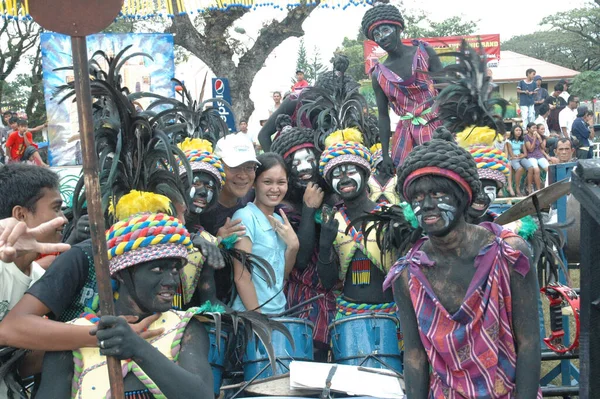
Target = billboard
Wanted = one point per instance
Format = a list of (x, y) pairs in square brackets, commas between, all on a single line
[(139, 74), (489, 43), (220, 90)]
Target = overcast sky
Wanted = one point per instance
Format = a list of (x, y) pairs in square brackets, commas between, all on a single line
[(327, 28)]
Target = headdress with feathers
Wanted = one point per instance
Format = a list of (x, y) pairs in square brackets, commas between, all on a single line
[(466, 108)]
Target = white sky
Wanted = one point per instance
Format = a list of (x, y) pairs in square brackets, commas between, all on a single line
[(327, 28)]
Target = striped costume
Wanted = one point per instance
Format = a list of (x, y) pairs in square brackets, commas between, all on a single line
[(472, 353), (302, 285), (411, 100)]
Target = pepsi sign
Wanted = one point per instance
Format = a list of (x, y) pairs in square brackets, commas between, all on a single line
[(220, 90)]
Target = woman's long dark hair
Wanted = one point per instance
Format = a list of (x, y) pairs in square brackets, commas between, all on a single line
[(512, 133), (267, 161)]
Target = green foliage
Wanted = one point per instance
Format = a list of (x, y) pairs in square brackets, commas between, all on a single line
[(572, 41), (586, 85), (312, 67)]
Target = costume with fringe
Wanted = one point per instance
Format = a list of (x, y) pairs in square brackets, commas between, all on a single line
[(412, 99), (477, 342)]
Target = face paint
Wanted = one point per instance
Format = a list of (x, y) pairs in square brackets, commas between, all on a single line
[(382, 31), (303, 167), (490, 191), (385, 36), (347, 181), (436, 211), (156, 282), (480, 206), (203, 192)]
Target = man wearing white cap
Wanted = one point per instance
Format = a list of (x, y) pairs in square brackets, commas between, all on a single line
[(239, 160)]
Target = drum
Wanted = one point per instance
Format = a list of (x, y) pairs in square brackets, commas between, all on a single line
[(369, 340), (216, 356), (256, 357)]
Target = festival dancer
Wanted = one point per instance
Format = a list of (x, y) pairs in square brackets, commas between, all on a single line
[(346, 166), (463, 280), (402, 83), (175, 363), (302, 203), (382, 187)]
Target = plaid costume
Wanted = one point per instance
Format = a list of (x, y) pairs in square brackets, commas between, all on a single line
[(472, 353), (409, 98)]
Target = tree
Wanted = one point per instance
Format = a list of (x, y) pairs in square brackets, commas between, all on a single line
[(586, 85), (16, 39), (453, 26), (312, 68), (302, 60), (209, 38), (572, 40)]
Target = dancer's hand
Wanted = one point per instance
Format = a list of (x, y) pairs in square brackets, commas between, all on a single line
[(81, 231), (387, 167), (231, 227), (211, 252), (116, 338), (313, 196), (329, 227)]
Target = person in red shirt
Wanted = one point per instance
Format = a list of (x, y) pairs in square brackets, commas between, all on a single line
[(20, 145), (300, 81)]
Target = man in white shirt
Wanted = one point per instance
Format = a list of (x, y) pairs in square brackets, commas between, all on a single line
[(567, 116), (565, 94), (28, 194)]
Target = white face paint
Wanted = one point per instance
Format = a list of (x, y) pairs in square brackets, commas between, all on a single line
[(340, 172), (491, 192), (303, 163)]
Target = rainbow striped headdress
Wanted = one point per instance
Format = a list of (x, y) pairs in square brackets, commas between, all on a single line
[(491, 163), (347, 149), (202, 161), (145, 237)]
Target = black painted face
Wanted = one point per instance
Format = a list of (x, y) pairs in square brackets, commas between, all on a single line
[(490, 188), (479, 206), (436, 210), (303, 168), (204, 192), (156, 283), (348, 180), (386, 36)]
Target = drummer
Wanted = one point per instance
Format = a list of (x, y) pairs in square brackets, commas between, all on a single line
[(346, 167)]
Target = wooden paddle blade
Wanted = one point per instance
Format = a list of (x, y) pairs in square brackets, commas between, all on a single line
[(545, 197), (75, 17)]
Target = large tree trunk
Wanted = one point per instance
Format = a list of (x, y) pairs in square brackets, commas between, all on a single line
[(215, 51)]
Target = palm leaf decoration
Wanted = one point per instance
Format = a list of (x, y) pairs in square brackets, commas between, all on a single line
[(465, 97)]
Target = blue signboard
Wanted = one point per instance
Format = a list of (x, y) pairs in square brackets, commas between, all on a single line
[(220, 90)]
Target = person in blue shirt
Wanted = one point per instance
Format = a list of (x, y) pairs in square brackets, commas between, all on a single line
[(583, 130), (269, 235), (526, 90)]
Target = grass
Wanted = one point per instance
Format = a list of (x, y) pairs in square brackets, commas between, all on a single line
[(549, 365)]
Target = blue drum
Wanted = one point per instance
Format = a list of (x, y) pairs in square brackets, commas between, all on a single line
[(369, 340), (216, 356), (256, 357)]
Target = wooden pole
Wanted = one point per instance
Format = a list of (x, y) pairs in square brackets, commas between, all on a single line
[(93, 196)]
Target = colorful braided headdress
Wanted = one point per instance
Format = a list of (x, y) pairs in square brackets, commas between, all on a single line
[(491, 163), (145, 237), (348, 149), (199, 153)]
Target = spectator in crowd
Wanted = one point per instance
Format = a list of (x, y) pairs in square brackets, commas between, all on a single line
[(535, 145), (276, 101), (517, 154), (583, 130), (567, 116), (540, 94), (526, 91), (556, 104), (20, 146), (565, 151), (5, 131), (300, 81), (565, 94)]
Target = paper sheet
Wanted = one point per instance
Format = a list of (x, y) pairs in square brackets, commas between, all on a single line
[(348, 379)]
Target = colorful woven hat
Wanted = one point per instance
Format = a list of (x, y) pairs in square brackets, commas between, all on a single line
[(347, 150), (205, 162), (145, 237), (491, 163)]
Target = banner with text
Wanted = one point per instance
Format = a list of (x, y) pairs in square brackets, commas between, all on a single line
[(489, 43)]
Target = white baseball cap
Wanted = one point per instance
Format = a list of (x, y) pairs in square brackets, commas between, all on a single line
[(236, 149)]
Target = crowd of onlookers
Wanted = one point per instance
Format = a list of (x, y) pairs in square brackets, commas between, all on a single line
[(17, 144), (555, 129)]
